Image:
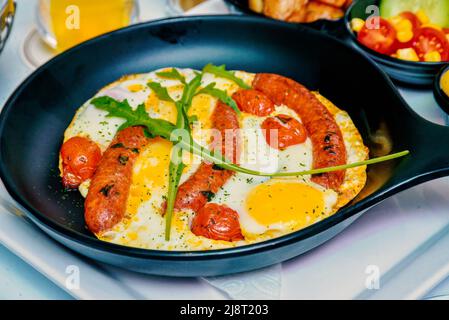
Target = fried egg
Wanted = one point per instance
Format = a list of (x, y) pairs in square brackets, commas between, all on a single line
[(267, 207)]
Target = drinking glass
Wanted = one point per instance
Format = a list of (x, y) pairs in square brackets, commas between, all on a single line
[(65, 23)]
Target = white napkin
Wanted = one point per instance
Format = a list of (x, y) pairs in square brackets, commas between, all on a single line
[(263, 284), (209, 7)]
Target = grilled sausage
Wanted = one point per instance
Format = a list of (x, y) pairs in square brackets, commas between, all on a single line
[(328, 145), (196, 191), (105, 203)]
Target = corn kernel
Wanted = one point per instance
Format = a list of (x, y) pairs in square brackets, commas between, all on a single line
[(357, 24), (433, 56), (403, 27), (422, 16), (408, 54), (404, 36)]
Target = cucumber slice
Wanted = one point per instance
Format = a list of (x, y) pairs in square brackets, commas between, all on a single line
[(436, 10)]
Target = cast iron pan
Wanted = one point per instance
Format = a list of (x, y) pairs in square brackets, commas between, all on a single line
[(34, 119)]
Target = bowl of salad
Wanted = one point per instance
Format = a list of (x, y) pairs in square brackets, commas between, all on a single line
[(408, 38)]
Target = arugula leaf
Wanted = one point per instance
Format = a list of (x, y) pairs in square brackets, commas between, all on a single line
[(172, 74), (160, 91), (157, 127), (176, 166), (164, 129), (220, 71), (175, 170), (190, 91), (221, 95)]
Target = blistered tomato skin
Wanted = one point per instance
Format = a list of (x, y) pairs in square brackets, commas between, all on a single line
[(254, 102), (217, 222), (288, 131), (380, 38), (80, 158), (429, 40)]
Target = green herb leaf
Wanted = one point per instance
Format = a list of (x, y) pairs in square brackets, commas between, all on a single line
[(221, 95), (164, 129), (190, 91), (220, 71), (172, 74), (138, 117), (160, 91), (342, 167), (175, 169)]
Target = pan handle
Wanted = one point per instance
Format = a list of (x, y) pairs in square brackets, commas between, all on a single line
[(428, 159)]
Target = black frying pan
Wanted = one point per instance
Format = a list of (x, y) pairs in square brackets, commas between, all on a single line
[(34, 119)]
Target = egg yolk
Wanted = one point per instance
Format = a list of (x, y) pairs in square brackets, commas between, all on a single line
[(284, 202), (135, 87), (150, 173), (165, 109), (445, 83)]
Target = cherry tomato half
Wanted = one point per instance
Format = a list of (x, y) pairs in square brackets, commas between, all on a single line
[(416, 24), (289, 131), (80, 158), (254, 102), (217, 222), (381, 38), (430, 39)]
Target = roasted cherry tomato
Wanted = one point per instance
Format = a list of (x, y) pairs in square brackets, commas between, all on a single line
[(289, 131), (429, 40), (380, 39), (415, 25), (254, 102), (80, 157), (217, 222)]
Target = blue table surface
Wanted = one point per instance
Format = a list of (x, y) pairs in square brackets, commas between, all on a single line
[(18, 280)]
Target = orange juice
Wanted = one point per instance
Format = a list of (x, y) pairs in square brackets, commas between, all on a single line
[(74, 21)]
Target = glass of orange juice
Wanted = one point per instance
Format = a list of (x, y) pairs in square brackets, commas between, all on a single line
[(65, 23)]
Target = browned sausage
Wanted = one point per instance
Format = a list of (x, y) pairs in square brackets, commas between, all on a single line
[(105, 203), (327, 140), (207, 180)]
